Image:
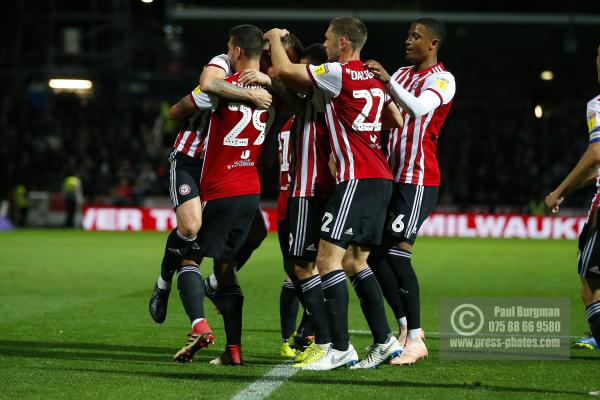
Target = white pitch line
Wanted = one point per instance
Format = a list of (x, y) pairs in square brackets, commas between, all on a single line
[(270, 381)]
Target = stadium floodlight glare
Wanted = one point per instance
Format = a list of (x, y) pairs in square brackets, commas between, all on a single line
[(538, 111), (147, 1), (547, 75), (70, 84)]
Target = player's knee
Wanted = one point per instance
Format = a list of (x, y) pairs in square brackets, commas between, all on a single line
[(188, 227), (405, 246), (590, 297)]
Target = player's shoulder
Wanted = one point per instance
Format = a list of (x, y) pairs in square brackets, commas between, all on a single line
[(402, 70), (594, 105), (221, 61), (439, 71)]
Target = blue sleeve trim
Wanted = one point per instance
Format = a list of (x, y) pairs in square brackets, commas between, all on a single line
[(594, 140), (596, 129)]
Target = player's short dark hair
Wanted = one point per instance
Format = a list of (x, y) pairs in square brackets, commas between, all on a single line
[(248, 38), (291, 41), (436, 28), (315, 54), (352, 29)]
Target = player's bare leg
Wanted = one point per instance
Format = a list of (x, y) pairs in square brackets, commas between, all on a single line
[(179, 241)]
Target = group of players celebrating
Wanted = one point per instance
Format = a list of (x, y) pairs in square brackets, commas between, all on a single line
[(351, 201)]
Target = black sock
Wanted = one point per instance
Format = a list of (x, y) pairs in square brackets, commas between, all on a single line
[(305, 327), (176, 248), (400, 260), (191, 291), (388, 282), (335, 291), (231, 300), (371, 302), (593, 316), (312, 292), (288, 309)]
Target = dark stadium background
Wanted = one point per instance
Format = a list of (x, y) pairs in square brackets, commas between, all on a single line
[(495, 155)]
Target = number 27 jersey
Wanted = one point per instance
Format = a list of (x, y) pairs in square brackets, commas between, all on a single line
[(354, 101), (233, 145)]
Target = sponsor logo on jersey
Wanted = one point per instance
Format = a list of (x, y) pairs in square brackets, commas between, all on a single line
[(184, 189), (442, 83), (595, 269), (291, 241), (321, 69), (591, 122), (349, 231)]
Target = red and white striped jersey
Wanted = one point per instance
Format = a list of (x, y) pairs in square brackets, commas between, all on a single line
[(593, 122), (354, 100), (233, 145), (283, 138), (312, 176), (190, 140), (413, 149)]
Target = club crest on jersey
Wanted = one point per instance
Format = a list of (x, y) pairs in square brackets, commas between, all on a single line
[(374, 138), (197, 90), (321, 69), (245, 154), (184, 189)]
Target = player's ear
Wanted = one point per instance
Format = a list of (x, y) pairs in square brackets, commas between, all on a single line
[(238, 52), (343, 42), (434, 44)]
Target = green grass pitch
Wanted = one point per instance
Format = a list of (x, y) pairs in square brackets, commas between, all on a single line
[(74, 324)]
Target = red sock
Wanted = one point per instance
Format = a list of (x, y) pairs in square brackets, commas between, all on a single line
[(235, 353), (201, 327)]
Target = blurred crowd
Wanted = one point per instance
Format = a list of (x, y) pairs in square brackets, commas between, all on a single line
[(495, 155)]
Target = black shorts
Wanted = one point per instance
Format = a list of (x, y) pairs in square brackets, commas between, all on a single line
[(588, 257), (283, 237), (409, 208), (355, 213), (184, 177), (303, 220), (225, 226)]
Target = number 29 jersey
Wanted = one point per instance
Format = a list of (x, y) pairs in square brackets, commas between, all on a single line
[(233, 144), (354, 100)]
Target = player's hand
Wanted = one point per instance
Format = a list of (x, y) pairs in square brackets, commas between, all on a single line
[(553, 202), (378, 70), (251, 76), (260, 97), (275, 33)]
